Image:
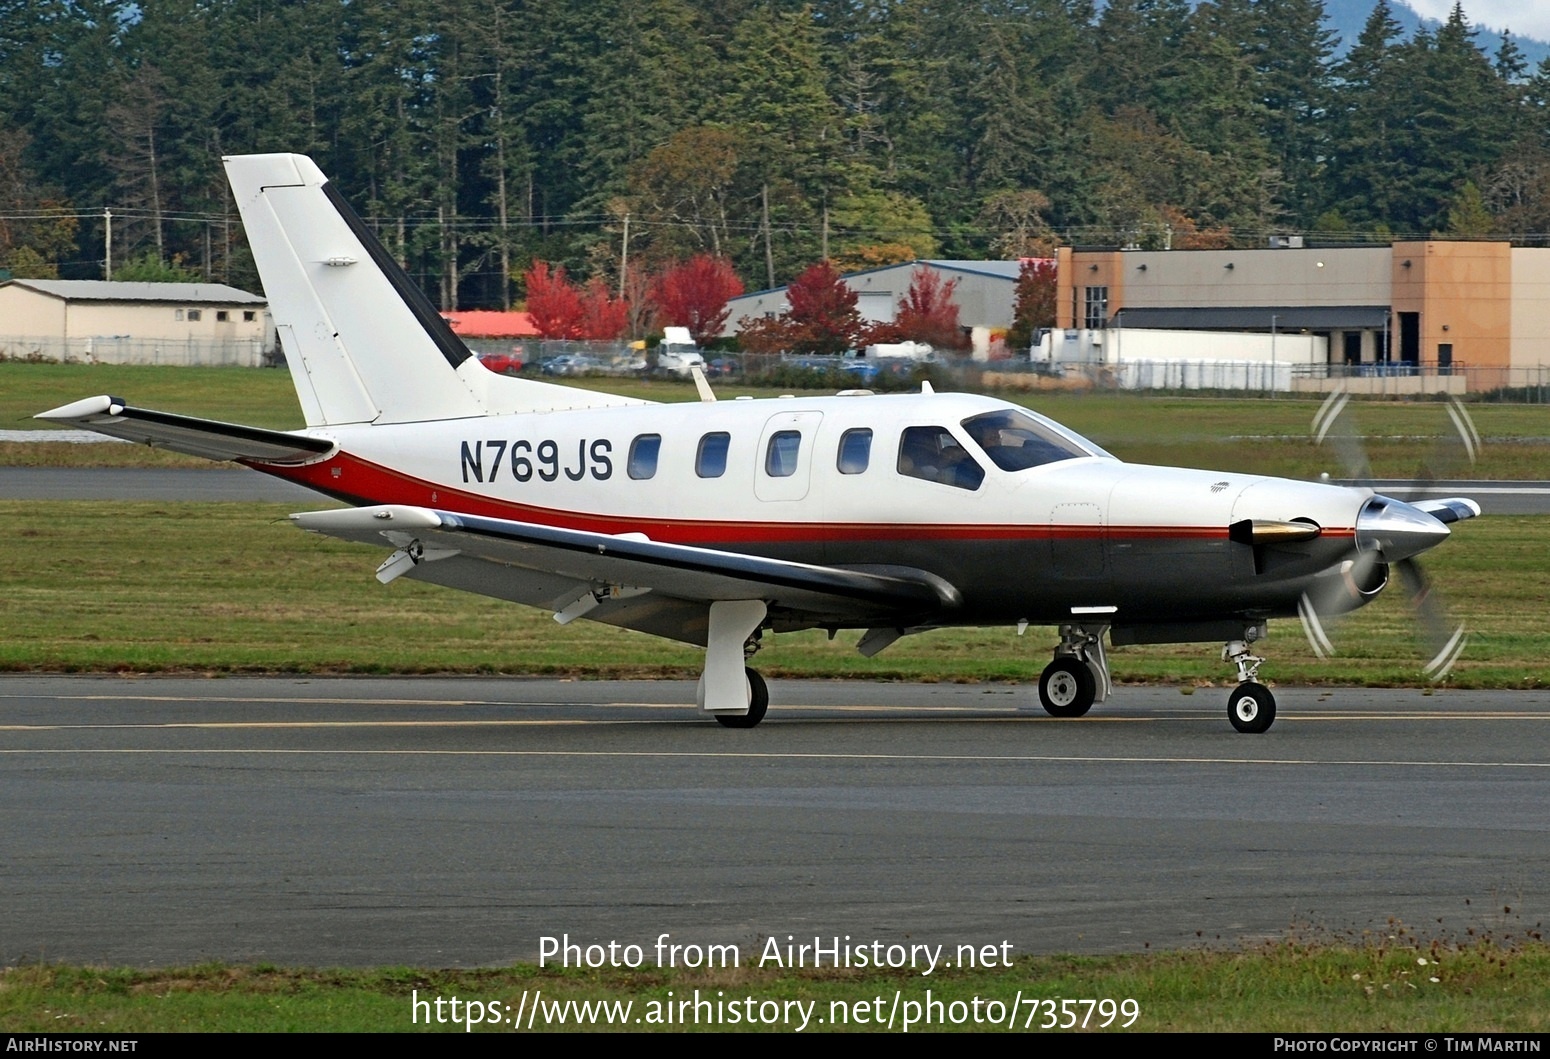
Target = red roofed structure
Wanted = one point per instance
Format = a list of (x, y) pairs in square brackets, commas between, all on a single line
[(488, 323)]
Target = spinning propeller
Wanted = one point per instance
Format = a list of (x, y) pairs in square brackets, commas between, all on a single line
[(1390, 534)]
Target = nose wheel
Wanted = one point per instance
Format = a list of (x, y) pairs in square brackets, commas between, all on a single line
[(1067, 688), (1251, 708)]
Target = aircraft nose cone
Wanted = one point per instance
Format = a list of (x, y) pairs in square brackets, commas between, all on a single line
[(1396, 530)]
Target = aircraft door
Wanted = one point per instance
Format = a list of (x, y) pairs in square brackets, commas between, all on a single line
[(1077, 550), (785, 456)]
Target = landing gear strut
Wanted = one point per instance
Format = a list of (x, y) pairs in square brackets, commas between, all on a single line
[(1079, 675), (1251, 708)]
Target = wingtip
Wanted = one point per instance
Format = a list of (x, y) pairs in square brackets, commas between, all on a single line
[(84, 408)]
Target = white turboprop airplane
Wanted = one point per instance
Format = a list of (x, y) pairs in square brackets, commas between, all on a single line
[(710, 523)]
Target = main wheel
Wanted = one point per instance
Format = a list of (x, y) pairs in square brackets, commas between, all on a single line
[(758, 703), (1067, 688), (1251, 709)]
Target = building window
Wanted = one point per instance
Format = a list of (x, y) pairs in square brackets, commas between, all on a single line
[(711, 462), (194, 315), (855, 450), (643, 456), (1096, 316), (221, 316), (248, 316), (177, 314)]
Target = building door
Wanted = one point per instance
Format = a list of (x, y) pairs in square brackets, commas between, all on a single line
[(1410, 338)]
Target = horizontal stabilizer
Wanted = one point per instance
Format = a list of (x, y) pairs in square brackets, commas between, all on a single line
[(208, 438)]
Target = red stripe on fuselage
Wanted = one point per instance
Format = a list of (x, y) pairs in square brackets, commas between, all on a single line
[(362, 482)]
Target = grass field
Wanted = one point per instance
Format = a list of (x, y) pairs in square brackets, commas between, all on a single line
[(1388, 984)]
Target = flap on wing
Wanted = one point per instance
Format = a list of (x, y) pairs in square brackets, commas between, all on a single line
[(208, 438), (681, 571)]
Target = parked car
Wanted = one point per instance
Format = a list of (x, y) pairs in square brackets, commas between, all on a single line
[(503, 363), (571, 364)]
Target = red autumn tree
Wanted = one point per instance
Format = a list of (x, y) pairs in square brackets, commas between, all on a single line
[(1033, 303), (695, 293), (822, 317), (927, 312), (603, 316), (553, 302)]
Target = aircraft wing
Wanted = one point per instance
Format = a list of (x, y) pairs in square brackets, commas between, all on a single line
[(208, 438), (628, 580)]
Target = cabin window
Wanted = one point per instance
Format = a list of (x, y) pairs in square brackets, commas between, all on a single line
[(643, 456), (780, 459), (1015, 441), (711, 460), (855, 450), (933, 454)]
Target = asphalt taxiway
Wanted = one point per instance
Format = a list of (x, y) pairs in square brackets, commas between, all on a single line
[(156, 821)]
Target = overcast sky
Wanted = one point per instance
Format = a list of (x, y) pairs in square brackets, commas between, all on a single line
[(1530, 19)]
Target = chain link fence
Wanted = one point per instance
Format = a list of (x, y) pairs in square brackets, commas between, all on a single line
[(193, 352)]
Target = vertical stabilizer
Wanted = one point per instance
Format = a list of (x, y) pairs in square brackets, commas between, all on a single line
[(364, 344)]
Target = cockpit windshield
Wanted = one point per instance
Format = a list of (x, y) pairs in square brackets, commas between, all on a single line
[(1016, 441)]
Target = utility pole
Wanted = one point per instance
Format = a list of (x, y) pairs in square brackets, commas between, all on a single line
[(107, 260), (1273, 318), (624, 256)]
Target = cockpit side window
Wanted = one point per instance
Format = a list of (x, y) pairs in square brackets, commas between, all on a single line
[(1015, 441), (933, 454)]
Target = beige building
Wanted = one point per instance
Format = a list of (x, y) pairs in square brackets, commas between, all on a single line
[(1431, 307), (98, 320)]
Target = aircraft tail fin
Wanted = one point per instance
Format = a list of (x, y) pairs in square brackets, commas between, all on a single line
[(363, 343)]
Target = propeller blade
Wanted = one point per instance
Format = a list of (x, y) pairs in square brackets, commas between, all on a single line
[(1331, 424), (1336, 593), (1443, 638)]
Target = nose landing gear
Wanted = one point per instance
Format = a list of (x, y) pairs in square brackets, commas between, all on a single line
[(1251, 708)]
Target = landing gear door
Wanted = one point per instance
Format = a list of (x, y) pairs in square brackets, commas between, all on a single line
[(786, 456)]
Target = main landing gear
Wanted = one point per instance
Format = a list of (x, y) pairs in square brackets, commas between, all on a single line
[(1251, 708), (1079, 675), (729, 690)]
